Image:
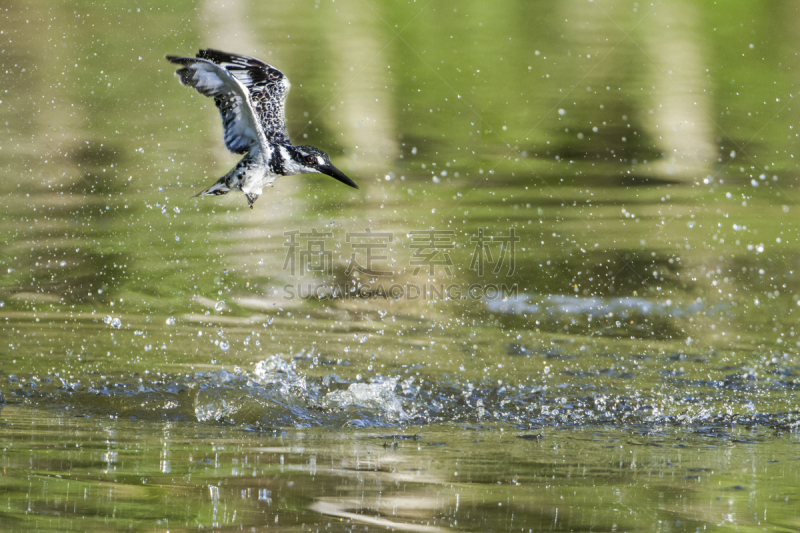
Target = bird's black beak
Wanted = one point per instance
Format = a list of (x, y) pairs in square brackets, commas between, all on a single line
[(335, 173)]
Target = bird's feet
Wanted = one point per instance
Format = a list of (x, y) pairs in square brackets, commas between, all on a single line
[(251, 198)]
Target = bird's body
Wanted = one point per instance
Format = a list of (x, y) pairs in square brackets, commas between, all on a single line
[(251, 98)]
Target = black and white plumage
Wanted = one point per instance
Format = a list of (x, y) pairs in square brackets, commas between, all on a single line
[(251, 98)]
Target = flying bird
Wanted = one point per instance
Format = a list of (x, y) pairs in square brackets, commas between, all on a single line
[(251, 98)]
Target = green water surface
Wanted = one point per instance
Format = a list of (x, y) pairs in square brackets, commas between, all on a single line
[(576, 221)]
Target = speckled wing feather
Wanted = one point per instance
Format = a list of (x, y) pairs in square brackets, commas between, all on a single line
[(241, 128), (268, 89)]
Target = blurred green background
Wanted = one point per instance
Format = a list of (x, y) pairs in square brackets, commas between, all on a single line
[(637, 150)]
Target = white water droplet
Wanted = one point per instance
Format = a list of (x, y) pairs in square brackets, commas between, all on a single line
[(220, 305), (116, 323), (171, 321), (107, 319), (224, 345)]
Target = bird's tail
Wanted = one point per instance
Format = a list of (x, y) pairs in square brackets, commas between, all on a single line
[(218, 189)]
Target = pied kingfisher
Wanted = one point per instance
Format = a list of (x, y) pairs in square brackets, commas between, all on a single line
[(251, 97)]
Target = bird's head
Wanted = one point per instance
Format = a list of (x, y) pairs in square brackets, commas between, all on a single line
[(312, 159)]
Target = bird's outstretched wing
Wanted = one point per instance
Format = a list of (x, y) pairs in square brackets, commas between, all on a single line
[(242, 129), (267, 85)]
